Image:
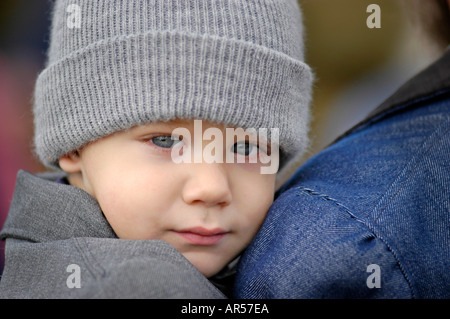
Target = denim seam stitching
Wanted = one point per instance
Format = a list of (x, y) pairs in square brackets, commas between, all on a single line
[(371, 228), (418, 161), (330, 199)]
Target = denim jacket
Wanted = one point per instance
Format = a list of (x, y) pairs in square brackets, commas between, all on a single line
[(369, 216)]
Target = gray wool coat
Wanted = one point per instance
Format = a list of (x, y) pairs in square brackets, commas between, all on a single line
[(59, 245)]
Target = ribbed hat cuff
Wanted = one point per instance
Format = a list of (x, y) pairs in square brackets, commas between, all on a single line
[(118, 83)]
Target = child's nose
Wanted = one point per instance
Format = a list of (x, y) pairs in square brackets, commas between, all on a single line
[(207, 184)]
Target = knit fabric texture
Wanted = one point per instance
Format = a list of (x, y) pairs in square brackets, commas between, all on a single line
[(115, 64)]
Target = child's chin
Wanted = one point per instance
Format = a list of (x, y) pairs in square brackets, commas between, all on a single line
[(206, 263), (208, 273), (207, 270)]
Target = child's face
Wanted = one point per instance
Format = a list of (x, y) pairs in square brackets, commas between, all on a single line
[(209, 212)]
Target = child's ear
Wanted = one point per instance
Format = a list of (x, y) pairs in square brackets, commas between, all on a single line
[(71, 163)]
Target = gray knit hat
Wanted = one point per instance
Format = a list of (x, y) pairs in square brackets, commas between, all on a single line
[(115, 64)]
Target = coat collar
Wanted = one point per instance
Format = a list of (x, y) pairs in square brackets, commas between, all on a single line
[(43, 210), (431, 82)]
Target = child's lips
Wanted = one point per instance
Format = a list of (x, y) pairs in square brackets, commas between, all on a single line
[(202, 236)]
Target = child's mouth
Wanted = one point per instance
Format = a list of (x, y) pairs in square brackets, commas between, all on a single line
[(202, 236)]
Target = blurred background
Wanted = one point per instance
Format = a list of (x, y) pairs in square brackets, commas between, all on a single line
[(355, 67)]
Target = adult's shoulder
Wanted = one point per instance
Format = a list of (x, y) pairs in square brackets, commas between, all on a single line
[(314, 246), (377, 195)]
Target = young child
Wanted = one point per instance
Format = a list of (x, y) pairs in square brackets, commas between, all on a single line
[(134, 206)]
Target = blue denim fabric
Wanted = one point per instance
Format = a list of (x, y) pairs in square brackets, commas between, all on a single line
[(380, 195)]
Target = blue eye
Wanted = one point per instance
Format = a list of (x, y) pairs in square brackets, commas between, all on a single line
[(165, 141), (244, 148)]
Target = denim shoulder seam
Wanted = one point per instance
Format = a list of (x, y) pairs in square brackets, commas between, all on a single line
[(335, 202), (327, 198), (397, 185), (410, 168)]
